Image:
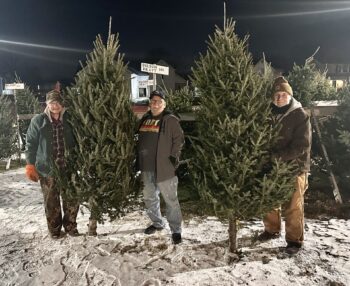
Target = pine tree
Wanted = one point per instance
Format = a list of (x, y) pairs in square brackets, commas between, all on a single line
[(8, 138), (180, 101), (309, 84), (343, 93), (336, 137), (27, 104), (100, 173), (231, 164)]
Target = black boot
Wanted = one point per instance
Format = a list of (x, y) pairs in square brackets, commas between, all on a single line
[(152, 229), (265, 236), (293, 247), (176, 238)]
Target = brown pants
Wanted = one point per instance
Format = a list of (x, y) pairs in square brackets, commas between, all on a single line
[(294, 213), (53, 208)]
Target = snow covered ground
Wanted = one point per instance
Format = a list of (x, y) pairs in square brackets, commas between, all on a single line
[(122, 255)]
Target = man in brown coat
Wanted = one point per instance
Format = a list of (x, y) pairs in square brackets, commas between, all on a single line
[(294, 144), (159, 147)]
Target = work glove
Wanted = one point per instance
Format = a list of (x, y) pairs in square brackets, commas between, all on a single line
[(32, 173)]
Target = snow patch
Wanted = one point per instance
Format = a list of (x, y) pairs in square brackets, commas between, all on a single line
[(122, 254)]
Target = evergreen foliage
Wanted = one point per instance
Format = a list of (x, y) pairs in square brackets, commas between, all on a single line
[(309, 84), (100, 170), (343, 94), (180, 101), (8, 138), (336, 137), (27, 103), (231, 165)]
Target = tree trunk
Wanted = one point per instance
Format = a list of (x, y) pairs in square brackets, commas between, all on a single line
[(92, 226), (232, 233)]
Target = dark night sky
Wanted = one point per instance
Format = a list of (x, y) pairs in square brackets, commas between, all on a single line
[(287, 31)]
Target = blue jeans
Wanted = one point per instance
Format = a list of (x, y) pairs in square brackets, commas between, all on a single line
[(168, 189)]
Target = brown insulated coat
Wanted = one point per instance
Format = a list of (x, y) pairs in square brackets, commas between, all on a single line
[(295, 136)]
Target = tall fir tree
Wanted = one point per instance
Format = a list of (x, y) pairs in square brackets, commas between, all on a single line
[(8, 138), (100, 171), (231, 164)]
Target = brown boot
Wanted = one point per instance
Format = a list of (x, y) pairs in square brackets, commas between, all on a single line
[(92, 227)]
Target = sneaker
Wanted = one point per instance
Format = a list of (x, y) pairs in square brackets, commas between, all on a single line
[(176, 238), (293, 247), (265, 236), (152, 229)]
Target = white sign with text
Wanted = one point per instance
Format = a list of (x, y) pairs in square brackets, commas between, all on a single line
[(150, 68), (14, 86)]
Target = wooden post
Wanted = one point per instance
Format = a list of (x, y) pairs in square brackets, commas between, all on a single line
[(18, 131), (154, 81), (336, 192)]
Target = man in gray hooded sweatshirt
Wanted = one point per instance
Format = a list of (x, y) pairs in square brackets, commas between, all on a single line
[(294, 144)]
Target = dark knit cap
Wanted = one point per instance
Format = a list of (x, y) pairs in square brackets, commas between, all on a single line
[(54, 95), (281, 84)]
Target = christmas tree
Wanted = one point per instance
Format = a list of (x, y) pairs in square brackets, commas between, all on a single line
[(336, 137), (100, 172), (232, 168), (27, 105), (8, 138), (310, 84), (181, 100)]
